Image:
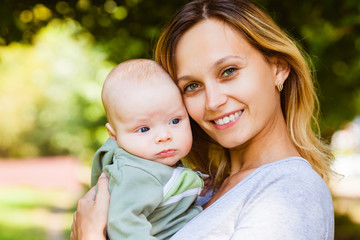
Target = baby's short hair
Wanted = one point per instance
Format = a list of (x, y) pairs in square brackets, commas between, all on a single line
[(129, 72), (134, 70)]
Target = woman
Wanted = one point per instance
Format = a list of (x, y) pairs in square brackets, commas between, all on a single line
[(250, 95)]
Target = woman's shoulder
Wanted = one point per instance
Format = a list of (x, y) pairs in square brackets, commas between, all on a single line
[(286, 179), (290, 163), (287, 192), (292, 172), (292, 168), (291, 191), (291, 177)]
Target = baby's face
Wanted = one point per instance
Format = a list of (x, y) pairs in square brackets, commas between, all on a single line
[(152, 122)]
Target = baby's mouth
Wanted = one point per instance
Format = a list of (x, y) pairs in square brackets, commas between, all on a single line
[(167, 153)]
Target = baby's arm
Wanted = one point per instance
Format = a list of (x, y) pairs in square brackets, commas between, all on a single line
[(134, 194)]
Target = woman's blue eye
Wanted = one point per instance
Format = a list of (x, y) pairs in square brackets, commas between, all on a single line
[(228, 72), (143, 129), (191, 87), (175, 121)]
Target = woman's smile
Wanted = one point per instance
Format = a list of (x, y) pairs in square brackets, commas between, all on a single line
[(228, 120)]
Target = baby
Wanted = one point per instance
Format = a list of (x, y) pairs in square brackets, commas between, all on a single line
[(149, 128)]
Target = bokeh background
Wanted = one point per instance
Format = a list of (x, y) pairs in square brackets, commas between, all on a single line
[(54, 56)]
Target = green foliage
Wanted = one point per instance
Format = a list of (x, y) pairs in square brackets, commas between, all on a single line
[(346, 229), (55, 56), (56, 53), (124, 28), (50, 93), (330, 32)]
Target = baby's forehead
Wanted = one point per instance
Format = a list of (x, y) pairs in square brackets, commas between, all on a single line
[(147, 101), (146, 88)]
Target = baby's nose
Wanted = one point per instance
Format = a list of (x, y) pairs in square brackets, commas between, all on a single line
[(164, 137)]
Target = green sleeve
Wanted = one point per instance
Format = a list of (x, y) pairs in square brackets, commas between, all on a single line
[(134, 195), (103, 157)]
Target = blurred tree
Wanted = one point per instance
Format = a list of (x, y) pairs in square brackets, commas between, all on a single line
[(329, 30), (50, 93), (125, 28)]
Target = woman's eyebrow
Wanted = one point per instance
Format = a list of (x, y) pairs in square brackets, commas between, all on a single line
[(217, 63), (183, 78), (224, 59)]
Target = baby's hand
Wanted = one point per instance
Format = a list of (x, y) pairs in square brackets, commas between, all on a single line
[(208, 183), (206, 192)]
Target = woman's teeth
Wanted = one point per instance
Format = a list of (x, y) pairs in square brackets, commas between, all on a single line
[(228, 119)]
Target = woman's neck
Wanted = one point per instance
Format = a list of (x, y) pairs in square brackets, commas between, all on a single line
[(271, 145), (268, 146)]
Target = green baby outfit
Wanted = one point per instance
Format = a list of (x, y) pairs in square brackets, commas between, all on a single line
[(149, 200)]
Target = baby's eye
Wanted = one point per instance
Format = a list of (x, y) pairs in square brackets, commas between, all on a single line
[(143, 129), (175, 121), (191, 87), (228, 72)]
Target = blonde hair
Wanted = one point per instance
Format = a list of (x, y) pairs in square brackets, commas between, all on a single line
[(299, 101)]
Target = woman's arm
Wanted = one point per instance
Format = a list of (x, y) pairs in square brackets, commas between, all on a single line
[(90, 218)]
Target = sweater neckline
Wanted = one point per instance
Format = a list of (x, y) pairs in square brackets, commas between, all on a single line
[(255, 172)]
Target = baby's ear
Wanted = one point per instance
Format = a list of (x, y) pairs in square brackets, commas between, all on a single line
[(110, 131)]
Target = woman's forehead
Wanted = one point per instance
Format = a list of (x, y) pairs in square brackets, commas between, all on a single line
[(212, 42)]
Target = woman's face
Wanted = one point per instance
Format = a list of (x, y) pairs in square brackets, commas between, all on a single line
[(228, 86)]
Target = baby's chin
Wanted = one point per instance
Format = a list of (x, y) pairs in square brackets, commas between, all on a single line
[(169, 161)]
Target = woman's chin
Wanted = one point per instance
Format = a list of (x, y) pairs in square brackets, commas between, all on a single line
[(227, 143)]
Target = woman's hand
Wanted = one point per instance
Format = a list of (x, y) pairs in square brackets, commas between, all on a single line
[(90, 218)]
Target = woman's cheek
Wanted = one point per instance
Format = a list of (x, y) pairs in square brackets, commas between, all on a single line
[(194, 106)]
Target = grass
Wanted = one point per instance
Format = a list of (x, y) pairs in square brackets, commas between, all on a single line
[(8, 232), (30, 214)]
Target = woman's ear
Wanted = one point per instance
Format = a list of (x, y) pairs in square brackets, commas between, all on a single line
[(281, 70), (110, 131)]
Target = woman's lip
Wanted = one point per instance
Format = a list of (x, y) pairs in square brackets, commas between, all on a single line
[(229, 124), (167, 153), (226, 115)]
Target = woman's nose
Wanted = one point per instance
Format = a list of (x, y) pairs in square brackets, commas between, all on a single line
[(164, 136), (215, 97)]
